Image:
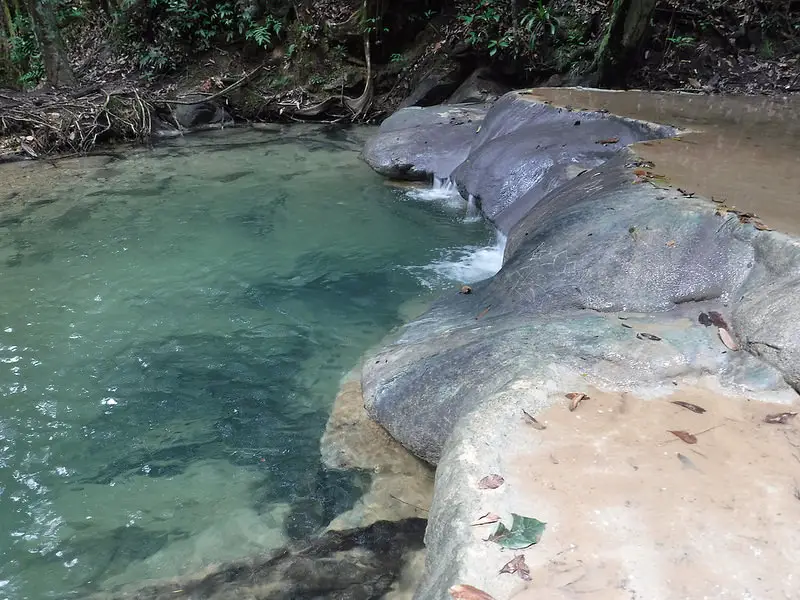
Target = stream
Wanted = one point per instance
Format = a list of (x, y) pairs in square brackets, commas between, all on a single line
[(174, 326)]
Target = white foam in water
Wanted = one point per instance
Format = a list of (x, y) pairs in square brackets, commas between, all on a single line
[(443, 190), (473, 214), (468, 264)]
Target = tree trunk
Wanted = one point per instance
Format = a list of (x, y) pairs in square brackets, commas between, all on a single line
[(618, 51), (7, 18), (54, 55)]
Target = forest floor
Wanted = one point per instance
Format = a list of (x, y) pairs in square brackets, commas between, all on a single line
[(702, 47)]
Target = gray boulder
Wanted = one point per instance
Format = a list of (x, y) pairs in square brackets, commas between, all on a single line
[(578, 250), (420, 143), (202, 113), (479, 88)]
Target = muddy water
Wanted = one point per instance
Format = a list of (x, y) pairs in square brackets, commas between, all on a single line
[(743, 151)]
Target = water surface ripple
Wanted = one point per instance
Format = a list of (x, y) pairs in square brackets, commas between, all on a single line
[(173, 329)]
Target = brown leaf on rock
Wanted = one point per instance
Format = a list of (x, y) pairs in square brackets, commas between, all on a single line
[(486, 519), (462, 591), (685, 436), (575, 399), (692, 407), (779, 418), (531, 420), (517, 565), (491, 482), (727, 339), (607, 141), (717, 319)]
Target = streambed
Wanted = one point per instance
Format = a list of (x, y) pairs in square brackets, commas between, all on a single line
[(174, 326)]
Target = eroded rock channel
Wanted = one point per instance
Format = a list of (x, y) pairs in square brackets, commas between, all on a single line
[(609, 277)]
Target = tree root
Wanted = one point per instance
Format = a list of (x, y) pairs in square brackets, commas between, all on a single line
[(74, 122)]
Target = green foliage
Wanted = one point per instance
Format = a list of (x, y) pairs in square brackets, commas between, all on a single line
[(24, 53), (162, 33), (490, 26), (374, 25), (682, 41)]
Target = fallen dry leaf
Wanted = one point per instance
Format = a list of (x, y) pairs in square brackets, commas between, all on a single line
[(531, 420), (690, 406), (671, 244), (486, 519), (517, 565), (491, 482), (717, 319), (465, 289), (607, 141), (575, 399), (727, 339), (462, 591), (780, 418), (685, 436)]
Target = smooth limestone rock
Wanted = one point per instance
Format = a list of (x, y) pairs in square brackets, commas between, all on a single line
[(419, 143), (597, 262)]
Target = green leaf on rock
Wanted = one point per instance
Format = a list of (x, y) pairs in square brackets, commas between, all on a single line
[(524, 532)]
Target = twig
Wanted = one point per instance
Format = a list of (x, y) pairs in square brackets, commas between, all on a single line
[(228, 89), (409, 503)]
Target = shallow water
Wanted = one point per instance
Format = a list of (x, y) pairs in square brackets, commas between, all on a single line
[(740, 150), (173, 329)]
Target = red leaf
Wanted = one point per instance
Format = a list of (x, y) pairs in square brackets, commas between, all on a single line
[(685, 436), (517, 565), (491, 482)]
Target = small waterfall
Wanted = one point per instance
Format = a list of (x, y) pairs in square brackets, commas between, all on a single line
[(473, 212), (467, 264)]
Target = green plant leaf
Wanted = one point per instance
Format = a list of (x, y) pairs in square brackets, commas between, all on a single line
[(524, 532)]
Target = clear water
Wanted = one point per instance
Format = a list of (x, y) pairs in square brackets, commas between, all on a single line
[(173, 329)]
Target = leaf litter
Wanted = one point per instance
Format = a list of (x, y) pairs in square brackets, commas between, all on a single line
[(685, 436), (491, 482), (727, 339), (524, 532), (517, 566), (575, 399), (779, 418)]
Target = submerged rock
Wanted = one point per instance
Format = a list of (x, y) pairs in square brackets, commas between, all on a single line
[(361, 564)]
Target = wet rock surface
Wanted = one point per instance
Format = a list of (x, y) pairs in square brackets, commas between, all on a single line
[(606, 271)]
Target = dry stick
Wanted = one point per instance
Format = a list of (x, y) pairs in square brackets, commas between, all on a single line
[(409, 503), (230, 88)]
